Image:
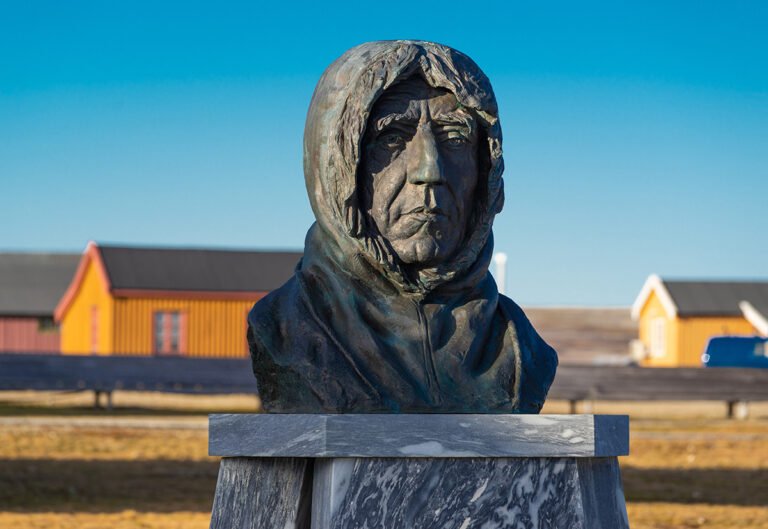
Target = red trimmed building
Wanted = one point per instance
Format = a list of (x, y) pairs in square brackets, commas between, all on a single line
[(31, 284), (161, 301)]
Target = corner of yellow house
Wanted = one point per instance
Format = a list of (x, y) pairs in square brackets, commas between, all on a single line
[(658, 333), (86, 312)]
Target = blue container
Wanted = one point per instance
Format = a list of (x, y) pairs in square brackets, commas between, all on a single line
[(736, 351)]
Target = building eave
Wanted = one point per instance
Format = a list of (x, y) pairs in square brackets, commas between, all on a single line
[(754, 317), (91, 255), (188, 294), (654, 284)]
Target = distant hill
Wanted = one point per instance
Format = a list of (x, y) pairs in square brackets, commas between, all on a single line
[(583, 335)]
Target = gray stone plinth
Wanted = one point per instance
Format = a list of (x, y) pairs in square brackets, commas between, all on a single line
[(477, 493), (414, 435), (419, 471), (262, 493)]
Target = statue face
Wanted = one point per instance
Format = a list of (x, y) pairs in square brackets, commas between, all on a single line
[(419, 171)]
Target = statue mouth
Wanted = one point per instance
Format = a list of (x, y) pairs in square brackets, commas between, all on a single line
[(425, 213), (422, 219)]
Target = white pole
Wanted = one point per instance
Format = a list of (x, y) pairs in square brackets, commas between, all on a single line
[(500, 260)]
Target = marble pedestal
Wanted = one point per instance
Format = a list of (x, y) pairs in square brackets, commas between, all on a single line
[(419, 471)]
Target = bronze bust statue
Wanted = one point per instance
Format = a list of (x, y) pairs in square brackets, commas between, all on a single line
[(392, 308)]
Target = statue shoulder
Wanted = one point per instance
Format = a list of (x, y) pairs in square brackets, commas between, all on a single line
[(538, 360), (290, 354), (271, 344)]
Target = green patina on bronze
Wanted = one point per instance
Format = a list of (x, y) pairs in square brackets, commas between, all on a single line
[(392, 308)]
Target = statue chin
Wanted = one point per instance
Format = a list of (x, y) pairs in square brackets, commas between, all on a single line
[(422, 251)]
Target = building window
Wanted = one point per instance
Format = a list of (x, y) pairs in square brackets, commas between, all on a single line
[(245, 334), (169, 332), (658, 337), (94, 329), (46, 324)]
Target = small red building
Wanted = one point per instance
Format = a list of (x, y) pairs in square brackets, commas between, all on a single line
[(31, 284)]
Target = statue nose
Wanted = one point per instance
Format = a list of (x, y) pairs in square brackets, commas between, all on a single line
[(424, 165)]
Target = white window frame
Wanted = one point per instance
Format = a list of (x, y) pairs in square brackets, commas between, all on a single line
[(658, 337)]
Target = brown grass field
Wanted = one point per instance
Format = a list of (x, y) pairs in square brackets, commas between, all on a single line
[(64, 465)]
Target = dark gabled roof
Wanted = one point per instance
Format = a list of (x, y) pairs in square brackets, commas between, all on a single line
[(197, 270), (761, 306), (31, 284), (716, 298)]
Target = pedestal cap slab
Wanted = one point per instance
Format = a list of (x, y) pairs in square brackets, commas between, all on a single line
[(417, 435)]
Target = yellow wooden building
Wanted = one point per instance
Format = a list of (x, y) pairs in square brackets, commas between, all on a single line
[(677, 318), (162, 301)]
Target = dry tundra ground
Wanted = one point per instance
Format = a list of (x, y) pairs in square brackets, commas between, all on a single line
[(63, 465)]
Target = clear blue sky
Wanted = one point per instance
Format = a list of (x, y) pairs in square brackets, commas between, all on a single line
[(636, 136)]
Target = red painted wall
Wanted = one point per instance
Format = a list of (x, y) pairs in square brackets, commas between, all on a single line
[(22, 335)]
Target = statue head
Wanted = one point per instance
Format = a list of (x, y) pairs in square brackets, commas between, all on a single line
[(402, 159)]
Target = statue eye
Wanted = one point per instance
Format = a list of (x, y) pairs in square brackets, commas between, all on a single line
[(455, 139), (392, 140)]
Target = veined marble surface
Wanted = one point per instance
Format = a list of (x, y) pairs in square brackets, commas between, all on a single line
[(417, 435), (259, 493), (489, 493)]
